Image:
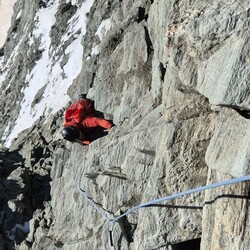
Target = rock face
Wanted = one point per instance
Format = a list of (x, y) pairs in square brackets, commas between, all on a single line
[(173, 77)]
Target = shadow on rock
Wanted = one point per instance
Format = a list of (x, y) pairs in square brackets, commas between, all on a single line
[(98, 132), (40, 190), (21, 193), (244, 113)]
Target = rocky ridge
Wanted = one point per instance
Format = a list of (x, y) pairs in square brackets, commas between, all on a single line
[(172, 76)]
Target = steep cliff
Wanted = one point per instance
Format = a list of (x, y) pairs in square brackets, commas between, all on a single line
[(173, 76)]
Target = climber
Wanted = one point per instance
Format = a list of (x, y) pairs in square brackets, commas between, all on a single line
[(82, 122)]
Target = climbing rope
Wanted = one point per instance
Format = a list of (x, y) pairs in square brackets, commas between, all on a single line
[(195, 190), (166, 198), (88, 199)]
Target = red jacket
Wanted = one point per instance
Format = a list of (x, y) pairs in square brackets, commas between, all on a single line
[(82, 115)]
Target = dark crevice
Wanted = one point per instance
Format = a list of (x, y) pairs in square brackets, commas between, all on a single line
[(244, 113), (92, 80), (43, 3), (248, 13), (111, 239), (67, 8), (149, 42), (141, 15), (127, 229), (16, 25), (231, 196), (2, 51), (40, 186), (147, 152), (162, 71), (59, 244), (114, 175), (190, 244)]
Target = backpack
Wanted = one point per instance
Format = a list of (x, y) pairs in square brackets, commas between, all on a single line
[(79, 110)]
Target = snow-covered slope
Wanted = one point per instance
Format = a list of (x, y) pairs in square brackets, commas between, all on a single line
[(48, 81), (157, 69)]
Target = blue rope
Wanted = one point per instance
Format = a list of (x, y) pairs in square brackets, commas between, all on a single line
[(83, 193), (199, 189), (166, 198)]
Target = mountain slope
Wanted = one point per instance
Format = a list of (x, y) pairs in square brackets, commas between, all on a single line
[(170, 75)]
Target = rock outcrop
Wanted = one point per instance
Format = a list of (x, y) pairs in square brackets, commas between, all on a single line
[(173, 77)]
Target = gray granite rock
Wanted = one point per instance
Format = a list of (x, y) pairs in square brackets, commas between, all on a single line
[(232, 130), (170, 74)]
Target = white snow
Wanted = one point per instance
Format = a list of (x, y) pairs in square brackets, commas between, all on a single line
[(73, 2), (101, 32), (47, 73), (103, 28), (19, 14), (94, 51)]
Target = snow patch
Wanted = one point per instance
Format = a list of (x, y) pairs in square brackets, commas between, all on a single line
[(101, 32), (94, 51), (103, 28), (19, 14), (47, 72), (73, 2)]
